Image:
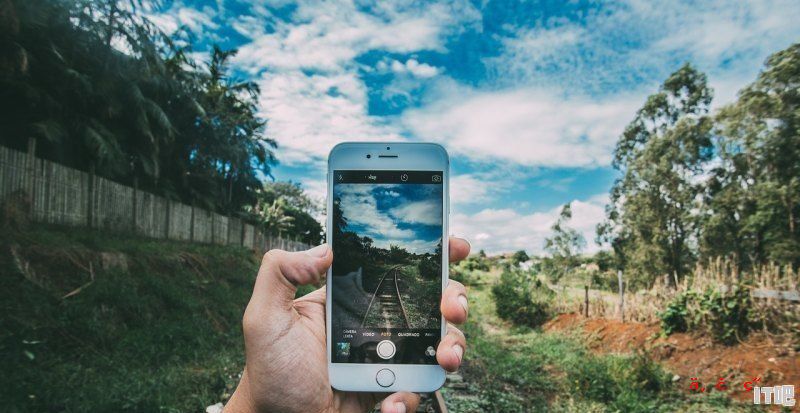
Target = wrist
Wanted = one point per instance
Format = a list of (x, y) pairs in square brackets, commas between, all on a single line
[(241, 400)]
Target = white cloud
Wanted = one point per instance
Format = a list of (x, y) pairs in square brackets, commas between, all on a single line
[(312, 93), (504, 230), (427, 212), (414, 68), (329, 35), (714, 31), (529, 126), (726, 39), (360, 208), (309, 114), (197, 21)]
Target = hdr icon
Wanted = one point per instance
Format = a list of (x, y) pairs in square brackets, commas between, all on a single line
[(780, 395)]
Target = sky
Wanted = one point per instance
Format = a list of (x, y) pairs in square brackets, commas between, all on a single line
[(528, 97), (405, 215)]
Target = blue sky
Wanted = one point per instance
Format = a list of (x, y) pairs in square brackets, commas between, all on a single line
[(528, 97), (406, 215)]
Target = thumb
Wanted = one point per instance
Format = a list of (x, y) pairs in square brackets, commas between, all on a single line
[(280, 274)]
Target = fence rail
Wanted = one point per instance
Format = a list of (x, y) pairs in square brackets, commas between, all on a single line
[(67, 196)]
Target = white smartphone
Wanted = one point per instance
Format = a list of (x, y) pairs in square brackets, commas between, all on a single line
[(388, 208)]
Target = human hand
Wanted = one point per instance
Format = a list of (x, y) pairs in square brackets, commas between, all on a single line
[(285, 345)]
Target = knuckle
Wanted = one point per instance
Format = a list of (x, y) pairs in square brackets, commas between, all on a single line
[(271, 257)]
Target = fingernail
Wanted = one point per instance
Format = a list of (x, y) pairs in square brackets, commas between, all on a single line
[(319, 251), (459, 351), (463, 301), (399, 407)]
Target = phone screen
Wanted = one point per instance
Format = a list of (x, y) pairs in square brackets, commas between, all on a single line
[(387, 266)]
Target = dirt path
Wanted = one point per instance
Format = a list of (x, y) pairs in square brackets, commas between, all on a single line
[(690, 356)]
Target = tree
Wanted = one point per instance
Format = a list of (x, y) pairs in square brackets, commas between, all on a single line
[(652, 222), (100, 87), (297, 205), (752, 203), (564, 245), (272, 216), (520, 257)]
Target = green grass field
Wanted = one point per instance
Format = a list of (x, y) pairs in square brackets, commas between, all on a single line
[(162, 335)]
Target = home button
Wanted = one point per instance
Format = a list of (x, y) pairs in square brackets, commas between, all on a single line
[(385, 377)]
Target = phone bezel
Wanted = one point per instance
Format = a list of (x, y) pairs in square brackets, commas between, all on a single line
[(410, 156)]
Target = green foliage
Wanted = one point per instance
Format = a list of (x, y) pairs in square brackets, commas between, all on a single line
[(522, 299), (726, 317), (520, 257), (628, 383), (100, 87), (604, 280), (752, 205), (162, 335), (285, 210), (564, 246), (528, 370), (675, 315), (430, 266), (672, 206), (650, 218), (470, 270)]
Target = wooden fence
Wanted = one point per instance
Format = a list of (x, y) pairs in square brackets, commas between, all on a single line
[(67, 196)]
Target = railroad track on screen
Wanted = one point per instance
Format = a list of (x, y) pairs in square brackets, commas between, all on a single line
[(387, 303)]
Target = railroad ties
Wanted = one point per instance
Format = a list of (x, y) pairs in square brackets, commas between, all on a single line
[(386, 304)]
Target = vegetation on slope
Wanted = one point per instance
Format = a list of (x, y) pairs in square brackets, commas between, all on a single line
[(149, 325)]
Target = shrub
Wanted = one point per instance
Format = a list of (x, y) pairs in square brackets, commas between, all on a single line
[(521, 299), (429, 267), (462, 275), (725, 316), (674, 317), (605, 280)]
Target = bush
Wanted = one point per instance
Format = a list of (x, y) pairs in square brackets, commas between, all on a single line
[(521, 299), (462, 275), (605, 280), (430, 267), (726, 316)]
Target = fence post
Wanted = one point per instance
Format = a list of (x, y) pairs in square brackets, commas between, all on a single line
[(213, 228), (586, 301), (166, 219), (191, 225), (135, 193), (30, 171), (621, 296), (90, 194)]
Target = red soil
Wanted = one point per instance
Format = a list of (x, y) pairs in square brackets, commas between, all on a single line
[(692, 356)]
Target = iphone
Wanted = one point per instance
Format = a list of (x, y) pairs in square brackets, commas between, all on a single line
[(387, 225)]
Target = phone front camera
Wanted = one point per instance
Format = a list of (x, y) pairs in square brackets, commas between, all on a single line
[(387, 148), (369, 156)]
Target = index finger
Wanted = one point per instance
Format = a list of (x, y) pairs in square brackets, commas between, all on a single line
[(459, 249)]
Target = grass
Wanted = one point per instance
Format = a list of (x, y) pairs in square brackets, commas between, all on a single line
[(162, 335), (515, 369)]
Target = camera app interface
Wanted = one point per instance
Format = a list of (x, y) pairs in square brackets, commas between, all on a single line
[(387, 266)]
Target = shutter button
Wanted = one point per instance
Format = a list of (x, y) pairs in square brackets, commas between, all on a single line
[(386, 349), (385, 377)]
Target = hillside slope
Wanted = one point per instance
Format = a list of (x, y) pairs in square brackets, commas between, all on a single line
[(94, 323)]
